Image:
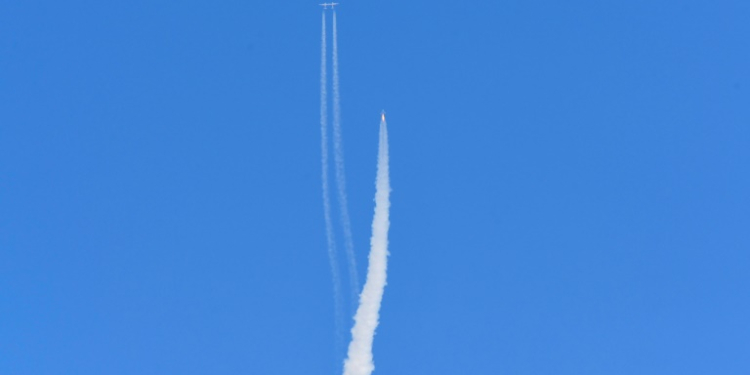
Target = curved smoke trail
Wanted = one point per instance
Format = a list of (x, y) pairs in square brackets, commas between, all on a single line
[(338, 157), (332, 257), (359, 361)]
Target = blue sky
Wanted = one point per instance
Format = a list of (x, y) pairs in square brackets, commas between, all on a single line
[(570, 186)]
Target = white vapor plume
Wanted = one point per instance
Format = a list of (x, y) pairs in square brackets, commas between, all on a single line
[(338, 157), (332, 257), (359, 359)]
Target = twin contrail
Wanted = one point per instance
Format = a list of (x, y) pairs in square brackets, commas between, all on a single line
[(359, 359), (332, 256), (338, 156)]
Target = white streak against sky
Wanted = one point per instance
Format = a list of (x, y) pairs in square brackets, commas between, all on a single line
[(332, 257), (359, 358), (338, 156)]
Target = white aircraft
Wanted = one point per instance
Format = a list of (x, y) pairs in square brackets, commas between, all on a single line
[(326, 5)]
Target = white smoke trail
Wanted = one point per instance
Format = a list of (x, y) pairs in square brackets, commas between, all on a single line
[(332, 257), (359, 361), (338, 157)]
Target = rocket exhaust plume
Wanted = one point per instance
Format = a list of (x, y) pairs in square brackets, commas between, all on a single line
[(338, 157), (359, 359), (332, 257)]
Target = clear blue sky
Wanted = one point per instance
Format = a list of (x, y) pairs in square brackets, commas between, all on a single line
[(570, 186)]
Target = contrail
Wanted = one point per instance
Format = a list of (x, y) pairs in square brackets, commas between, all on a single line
[(338, 157), (332, 257), (359, 361)]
